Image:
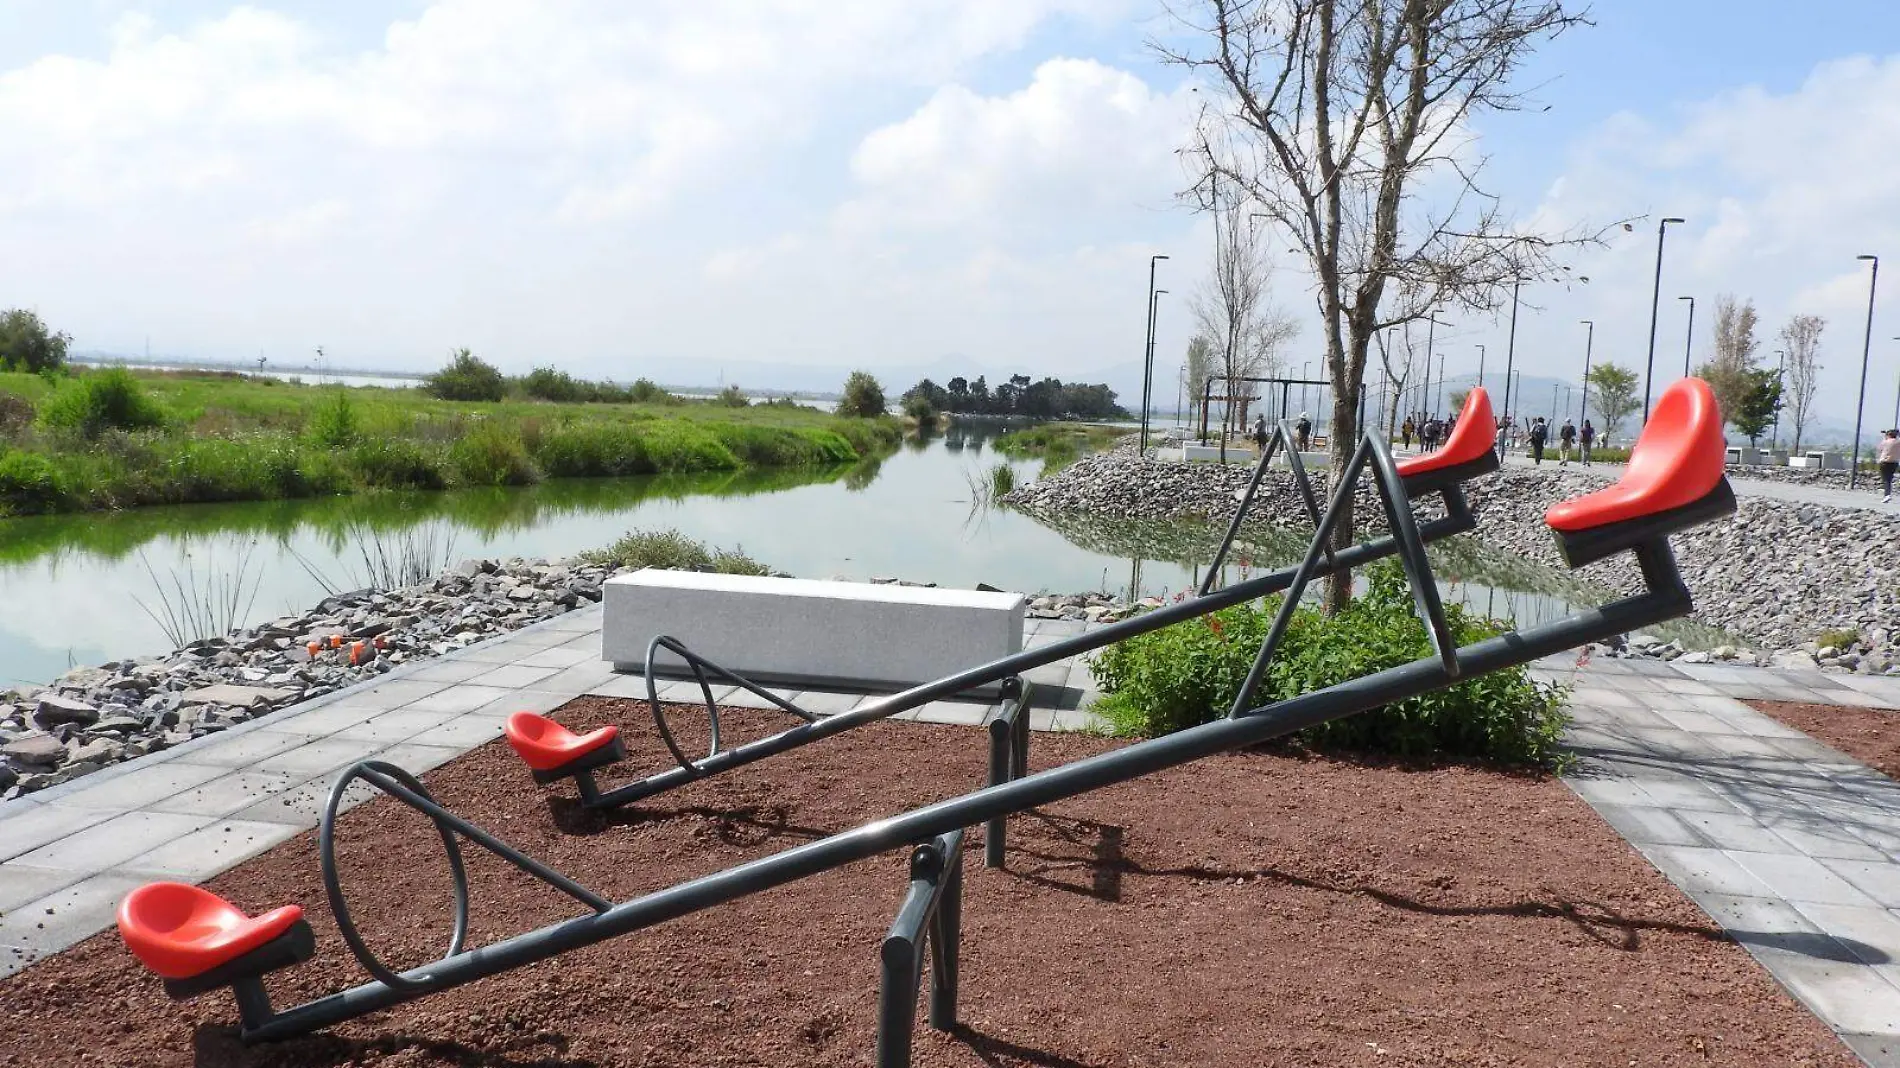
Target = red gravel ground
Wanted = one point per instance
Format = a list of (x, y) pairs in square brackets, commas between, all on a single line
[(1869, 735), (1252, 909)]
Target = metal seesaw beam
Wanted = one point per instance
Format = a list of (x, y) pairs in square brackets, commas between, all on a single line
[(1457, 520)]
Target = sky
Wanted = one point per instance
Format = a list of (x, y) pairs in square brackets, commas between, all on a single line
[(607, 187)]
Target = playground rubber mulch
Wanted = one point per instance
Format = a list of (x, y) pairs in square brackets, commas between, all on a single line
[(1251, 909), (1866, 734)]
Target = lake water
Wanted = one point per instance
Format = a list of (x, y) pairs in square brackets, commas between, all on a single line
[(75, 584)]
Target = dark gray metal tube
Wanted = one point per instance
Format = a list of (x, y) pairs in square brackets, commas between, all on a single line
[(1042, 788), (805, 733)]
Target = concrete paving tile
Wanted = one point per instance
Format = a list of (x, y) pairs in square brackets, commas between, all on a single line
[(1648, 825), (512, 676), (37, 825), (319, 757), (225, 795), (21, 883), (393, 726), (463, 732), (49, 924), (1799, 879), (1872, 935), (1731, 830), (557, 658), (105, 845), (209, 850), (417, 759), (246, 748), (1701, 871), (394, 694), (301, 806), (462, 697), (1879, 880), (142, 786), (328, 719), (449, 669)]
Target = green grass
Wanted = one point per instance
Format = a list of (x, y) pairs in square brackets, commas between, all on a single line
[(226, 437)]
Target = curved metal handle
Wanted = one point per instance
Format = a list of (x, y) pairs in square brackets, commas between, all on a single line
[(408, 789), (700, 666)]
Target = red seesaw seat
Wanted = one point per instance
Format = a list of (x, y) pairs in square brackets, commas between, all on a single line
[(1674, 480), (1466, 455), (182, 931), (552, 751)]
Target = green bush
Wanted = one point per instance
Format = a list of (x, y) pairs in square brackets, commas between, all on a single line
[(393, 463), (1189, 674), (863, 396), (103, 400), (492, 455), (467, 378), (672, 551), (28, 484), (333, 423)]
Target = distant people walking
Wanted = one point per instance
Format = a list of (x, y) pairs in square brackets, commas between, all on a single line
[(1566, 437), (1303, 430), (1407, 430), (1588, 435), (1888, 453), (1539, 434)]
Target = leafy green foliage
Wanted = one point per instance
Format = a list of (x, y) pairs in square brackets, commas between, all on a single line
[(333, 425), (863, 396), (467, 378), (672, 551), (492, 455), (1190, 673), (98, 401), (27, 345)]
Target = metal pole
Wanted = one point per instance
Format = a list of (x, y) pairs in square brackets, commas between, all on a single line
[(1688, 336), (1866, 350), (1510, 348), (1589, 340), (1147, 374), (1655, 297)]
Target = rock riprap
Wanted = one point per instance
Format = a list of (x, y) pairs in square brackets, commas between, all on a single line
[(93, 717)]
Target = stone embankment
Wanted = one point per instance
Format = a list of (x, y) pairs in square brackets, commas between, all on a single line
[(93, 717), (1810, 584)]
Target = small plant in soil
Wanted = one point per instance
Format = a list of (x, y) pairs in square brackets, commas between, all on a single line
[(1189, 674)]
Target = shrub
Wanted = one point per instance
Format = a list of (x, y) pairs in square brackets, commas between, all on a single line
[(492, 455), (104, 400), (863, 396), (333, 424), (26, 344), (28, 484), (392, 463), (1189, 674), (672, 551), (645, 392), (467, 378), (733, 397)]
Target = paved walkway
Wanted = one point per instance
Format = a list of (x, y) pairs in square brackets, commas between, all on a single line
[(1792, 847)]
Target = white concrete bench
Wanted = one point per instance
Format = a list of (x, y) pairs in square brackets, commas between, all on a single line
[(807, 632)]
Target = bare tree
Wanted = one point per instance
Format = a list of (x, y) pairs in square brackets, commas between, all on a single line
[(1729, 369), (1329, 114), (1234, 309), (1802, 340)]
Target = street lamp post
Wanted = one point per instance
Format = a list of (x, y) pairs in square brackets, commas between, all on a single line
[(1688, 336), (1866, 350), (1148, 363), (1589, 341), (1655, 298)]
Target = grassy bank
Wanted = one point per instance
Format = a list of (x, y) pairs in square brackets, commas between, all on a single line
[(105, 440)]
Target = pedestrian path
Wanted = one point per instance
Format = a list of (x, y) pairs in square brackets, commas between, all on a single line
[(68, 854), (1792, 847)]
